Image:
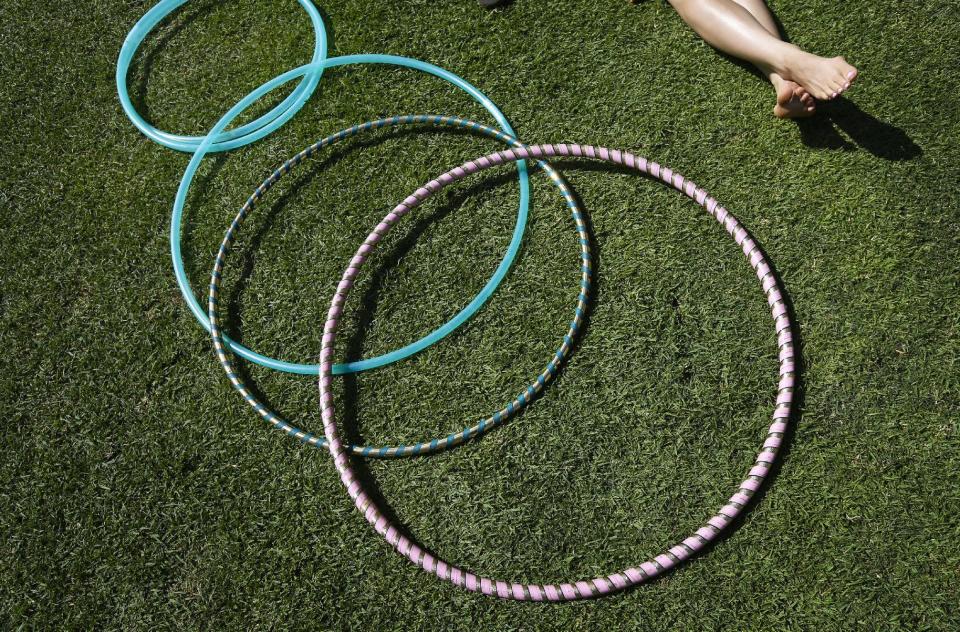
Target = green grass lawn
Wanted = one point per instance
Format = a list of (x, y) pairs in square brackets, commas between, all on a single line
[(138, 491)]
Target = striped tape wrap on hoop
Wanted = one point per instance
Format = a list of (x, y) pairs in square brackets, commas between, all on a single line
[(520, 402), (652, 567)]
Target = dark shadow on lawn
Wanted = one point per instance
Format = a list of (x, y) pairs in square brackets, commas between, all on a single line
[(796, 417), (330, 26), (199, 189), (866, 131), (881, 139)]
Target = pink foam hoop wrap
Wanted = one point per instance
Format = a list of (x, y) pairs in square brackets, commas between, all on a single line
[(672, 555)]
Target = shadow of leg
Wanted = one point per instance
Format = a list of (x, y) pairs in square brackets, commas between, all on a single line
[(865, 131), (881, 139), (818, 132)]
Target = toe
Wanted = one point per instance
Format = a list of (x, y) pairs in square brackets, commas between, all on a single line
[(843, 74), (847, 72), (836, 87), (821, 90), (784, 94)]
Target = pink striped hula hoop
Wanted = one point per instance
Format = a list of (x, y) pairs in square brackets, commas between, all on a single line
[(652, 567)]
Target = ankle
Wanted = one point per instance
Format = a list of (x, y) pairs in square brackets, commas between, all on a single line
[(782, 61), (781, 83), (773, 77)]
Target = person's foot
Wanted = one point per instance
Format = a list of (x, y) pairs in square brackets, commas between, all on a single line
[(824, 78), (491, 3), (793, 100)]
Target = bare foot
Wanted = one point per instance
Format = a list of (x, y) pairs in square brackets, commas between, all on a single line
[(822, 77), (793, 100)]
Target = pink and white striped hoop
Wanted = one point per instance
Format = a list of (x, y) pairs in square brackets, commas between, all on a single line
[(630, 576)]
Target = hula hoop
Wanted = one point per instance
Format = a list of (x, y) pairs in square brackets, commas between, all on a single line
[(414, 347), (234, 138), (515, 406), (628, 577)]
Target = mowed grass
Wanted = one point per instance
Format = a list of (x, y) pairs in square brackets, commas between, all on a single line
[(138, 491)]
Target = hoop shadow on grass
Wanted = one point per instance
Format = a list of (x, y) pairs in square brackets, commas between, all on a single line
[(141, 67), (796, 411)]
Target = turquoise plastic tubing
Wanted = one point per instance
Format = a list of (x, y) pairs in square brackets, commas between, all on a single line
[(403, 352), (234, 138)]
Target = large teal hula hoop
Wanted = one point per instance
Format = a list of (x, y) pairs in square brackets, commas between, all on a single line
[(403, 352), (234, 138)]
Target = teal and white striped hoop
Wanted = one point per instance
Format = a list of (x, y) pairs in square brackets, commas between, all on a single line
[(435, 445)]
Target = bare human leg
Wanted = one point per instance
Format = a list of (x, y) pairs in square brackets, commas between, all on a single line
[(793, 100), (746, 29)]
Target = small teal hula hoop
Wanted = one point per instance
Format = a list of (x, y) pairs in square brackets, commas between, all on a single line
[(234, 138), (370, 363)]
